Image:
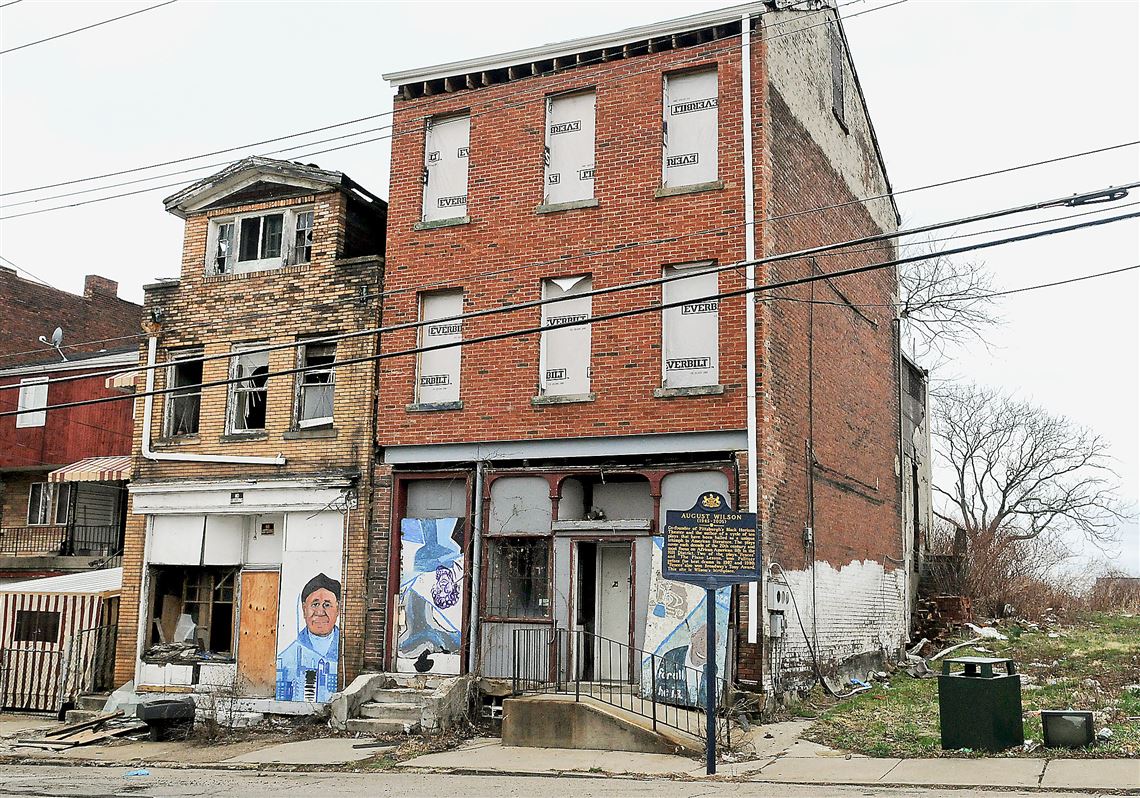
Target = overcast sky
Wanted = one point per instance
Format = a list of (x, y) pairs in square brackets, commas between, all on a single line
[(954, 89)]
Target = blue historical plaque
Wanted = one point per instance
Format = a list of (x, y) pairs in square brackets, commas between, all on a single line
[(711, 545)]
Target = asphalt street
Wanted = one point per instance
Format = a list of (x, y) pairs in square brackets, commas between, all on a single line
[(105, 782)]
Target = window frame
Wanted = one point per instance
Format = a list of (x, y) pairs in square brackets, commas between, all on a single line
[(35, 401), (493, 603), (669, 270), (63, 498), (172, 398), (438, 214), (45, 509), (300, 385), (666, 107), (236, 388), (548, 148), (26, 625), (287, 245), (585, 331), (218, 582), (422, 340)]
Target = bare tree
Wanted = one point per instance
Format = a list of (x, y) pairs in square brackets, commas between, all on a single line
[(946, 302), (1016, 472)]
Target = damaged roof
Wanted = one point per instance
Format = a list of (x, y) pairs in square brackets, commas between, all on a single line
[(258, 178)]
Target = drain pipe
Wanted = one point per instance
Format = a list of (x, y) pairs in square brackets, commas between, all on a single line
[(476, 572), (148, 415), (750, 301)]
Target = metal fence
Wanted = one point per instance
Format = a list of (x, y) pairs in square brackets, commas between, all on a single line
[(61, 540), (29, 679), (586, 665), (90, 665)]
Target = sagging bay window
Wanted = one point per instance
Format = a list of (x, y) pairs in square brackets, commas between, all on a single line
[(247, 396), (690, 128), (437, 377), (518, 583), (564, 354), (315, 385), (184, 403), (691, 332), (191, 608), (256, 242)]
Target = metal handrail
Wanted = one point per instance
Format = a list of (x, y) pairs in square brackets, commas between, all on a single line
[(588, 665), (60, 539)]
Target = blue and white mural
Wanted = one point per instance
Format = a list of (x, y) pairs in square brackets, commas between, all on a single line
[(675, 634), (429, 631)]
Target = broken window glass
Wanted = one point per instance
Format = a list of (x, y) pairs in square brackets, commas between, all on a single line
[(224, 248), (303, 238), (315, 391), (192, 611), (248, 395), (184, 404), (519, 582), (271, 227)]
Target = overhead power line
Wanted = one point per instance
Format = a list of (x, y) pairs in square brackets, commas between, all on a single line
[(655, 307), (86, 27), (538, 91)]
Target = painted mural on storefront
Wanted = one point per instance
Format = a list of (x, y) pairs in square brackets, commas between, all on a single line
[(430, 620), (675, 634), (308, 630)]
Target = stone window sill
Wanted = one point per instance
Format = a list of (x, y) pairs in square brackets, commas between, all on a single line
[(437, 223), (567, 399), (696, 390), (696, 188), (567, 206), (179, 440), (238, 437), (304, 433), (433, 407)]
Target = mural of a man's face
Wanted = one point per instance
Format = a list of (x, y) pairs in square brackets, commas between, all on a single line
[(321, 608)]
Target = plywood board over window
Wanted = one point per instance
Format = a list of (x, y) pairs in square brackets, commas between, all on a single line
[(691, 331), (569, 148), (565, 352), (690, 128), (437, 380), (445, 168)]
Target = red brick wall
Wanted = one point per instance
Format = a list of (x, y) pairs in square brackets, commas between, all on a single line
[(505, 185), (29, 310)]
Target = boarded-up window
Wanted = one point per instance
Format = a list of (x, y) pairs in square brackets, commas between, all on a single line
[(690, 331), (565, 352), (690, 128), (248, 395), (184, 403), (569, 147), (837, 74), (33, 395), (36, 626), (437, 379), (445, 168)]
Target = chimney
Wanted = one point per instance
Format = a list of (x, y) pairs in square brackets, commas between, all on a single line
[(94, 285)]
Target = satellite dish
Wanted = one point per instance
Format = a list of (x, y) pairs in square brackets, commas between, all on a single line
[(56, 341)]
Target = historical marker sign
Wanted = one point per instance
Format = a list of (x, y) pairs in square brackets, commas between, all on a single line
[(710, 544)]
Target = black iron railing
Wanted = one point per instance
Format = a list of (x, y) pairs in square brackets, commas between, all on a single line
[(662, 688), (60, 540)]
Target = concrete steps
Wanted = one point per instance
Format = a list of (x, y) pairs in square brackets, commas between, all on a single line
[(377, 726)]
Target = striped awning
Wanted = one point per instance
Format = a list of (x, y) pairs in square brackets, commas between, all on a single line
[(94, 469)]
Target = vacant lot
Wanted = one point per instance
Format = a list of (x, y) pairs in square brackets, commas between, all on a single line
[(1092, 664)]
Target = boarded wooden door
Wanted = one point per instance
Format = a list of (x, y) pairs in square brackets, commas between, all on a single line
[(257, 643)]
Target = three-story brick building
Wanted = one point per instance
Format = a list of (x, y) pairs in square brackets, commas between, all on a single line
[(524, 480)]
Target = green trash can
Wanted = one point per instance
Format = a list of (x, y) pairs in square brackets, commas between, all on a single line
[(978, 708)]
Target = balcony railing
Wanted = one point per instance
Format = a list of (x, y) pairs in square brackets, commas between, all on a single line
[(60, 540)]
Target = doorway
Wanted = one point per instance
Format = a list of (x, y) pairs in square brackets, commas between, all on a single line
[(602, 610)]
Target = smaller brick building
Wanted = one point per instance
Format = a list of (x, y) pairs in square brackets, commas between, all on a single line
[(63, 471), (243, 563)]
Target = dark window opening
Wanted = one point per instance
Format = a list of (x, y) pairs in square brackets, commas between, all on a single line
[(184, 404), (36, 626), (248, 396), (519, 581), (39, 503), (315, 390), (192, 611)]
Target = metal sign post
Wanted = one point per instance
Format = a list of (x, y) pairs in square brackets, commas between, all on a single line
[(712, 546)]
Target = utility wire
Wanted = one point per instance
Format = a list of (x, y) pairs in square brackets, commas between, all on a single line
[(75, 347), (413, 127), (652, 308), (276, 139), (811, 251), (86, 27), (10, 3), (33, 275)]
